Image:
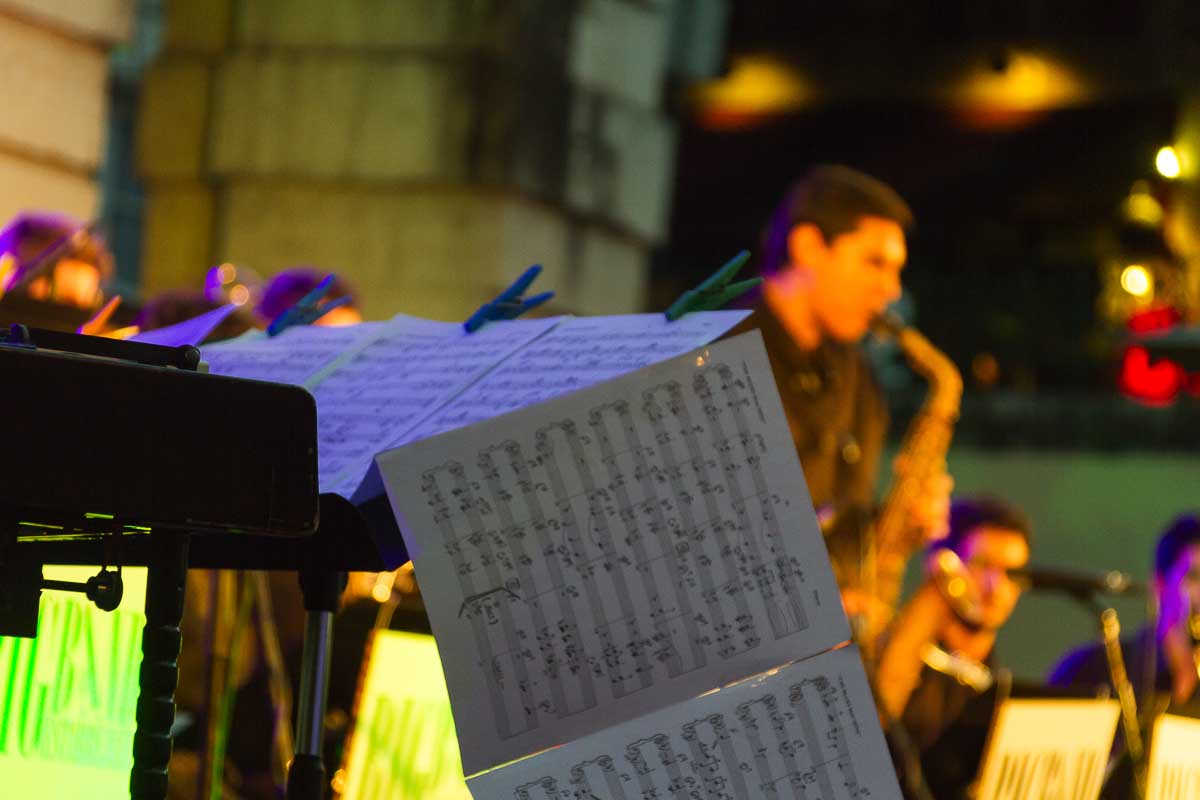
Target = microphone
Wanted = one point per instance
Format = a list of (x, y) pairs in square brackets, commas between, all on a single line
[(1053, 579)]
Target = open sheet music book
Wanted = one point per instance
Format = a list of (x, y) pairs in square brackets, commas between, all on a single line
[(596, 565), (379, 385)]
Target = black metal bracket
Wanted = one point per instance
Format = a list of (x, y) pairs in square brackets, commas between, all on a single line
[(105, 588)]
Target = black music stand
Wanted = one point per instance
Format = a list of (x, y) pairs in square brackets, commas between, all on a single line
[(349, 538), (118, 435)]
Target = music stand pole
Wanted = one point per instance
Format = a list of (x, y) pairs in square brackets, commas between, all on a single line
[(322, 591), (1110, 637), (166, 581)]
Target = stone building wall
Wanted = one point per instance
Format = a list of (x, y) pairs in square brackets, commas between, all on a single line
[(54, 68), (429, 150)]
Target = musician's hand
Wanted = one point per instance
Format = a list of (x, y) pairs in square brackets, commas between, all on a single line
[(929, 514), (865, 611)]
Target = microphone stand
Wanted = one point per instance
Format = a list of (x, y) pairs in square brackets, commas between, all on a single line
[(1110, 636)]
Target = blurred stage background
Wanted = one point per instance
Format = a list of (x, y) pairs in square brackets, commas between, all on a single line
[(429, 150)]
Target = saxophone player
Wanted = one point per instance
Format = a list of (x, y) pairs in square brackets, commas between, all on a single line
[(937, 657), (831, 261)]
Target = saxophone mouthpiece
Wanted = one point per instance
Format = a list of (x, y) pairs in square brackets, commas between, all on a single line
[(887, 325)]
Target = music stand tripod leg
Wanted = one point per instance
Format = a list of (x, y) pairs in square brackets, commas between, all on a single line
[(166, 580), (322, 592)]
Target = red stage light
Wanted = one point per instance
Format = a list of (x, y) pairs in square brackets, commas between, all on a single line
[(1155, 384), (1153, 320)]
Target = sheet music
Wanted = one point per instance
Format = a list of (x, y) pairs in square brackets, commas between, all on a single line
[(191, 331), (1174, 769), (1048, 748), (375, 396), (804, 731), (579, 352), (615, 550), (295, 356), (380, 384)]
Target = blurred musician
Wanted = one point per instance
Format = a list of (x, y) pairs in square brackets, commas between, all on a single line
[(937, 658), (1163, 656), (1162, 660), (288, 287), (831, 262), (56, 258)]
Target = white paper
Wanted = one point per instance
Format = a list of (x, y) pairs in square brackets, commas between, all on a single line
[(579, 352), (615, 550), (381, 384), (295, 356), (1048, 748), (191, 331), (1174, 772), (379, 393), (807, 730)]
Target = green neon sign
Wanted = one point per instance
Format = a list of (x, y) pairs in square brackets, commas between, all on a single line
[(68, 698)]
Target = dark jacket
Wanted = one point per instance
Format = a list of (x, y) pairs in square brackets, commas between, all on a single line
[(835, 409)]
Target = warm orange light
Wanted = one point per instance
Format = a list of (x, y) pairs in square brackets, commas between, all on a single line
[(756, 86), (338, 784), (1026, 82), (340, 317), (226, 273), (239, 295)]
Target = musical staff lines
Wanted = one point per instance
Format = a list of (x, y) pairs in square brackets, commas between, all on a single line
[(627, 545), (788, 735)]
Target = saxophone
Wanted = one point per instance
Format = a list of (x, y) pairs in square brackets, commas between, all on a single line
[(892, 540)]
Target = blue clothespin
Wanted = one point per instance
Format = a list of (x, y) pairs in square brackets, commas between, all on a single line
[(509, 304), (714, 293), (307, 309)]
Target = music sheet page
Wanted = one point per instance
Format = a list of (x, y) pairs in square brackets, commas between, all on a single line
[(191, 331), (615, 550), (806, 730), (579, 352), (294, 356), (370, 400), (381, 384)]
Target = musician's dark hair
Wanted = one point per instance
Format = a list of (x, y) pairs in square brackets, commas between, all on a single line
[(969, 513), (32, 233), (289, 286), (1183, 531), (833, 198)]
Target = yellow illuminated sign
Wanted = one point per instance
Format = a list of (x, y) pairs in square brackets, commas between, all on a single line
[(404, 743)]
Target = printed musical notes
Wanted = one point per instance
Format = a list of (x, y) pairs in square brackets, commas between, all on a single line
[(295, 356), (615, 550), (1048, 748), (802, 732), (579, 352), (376, 395), (1173, 772), (382, 384)]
